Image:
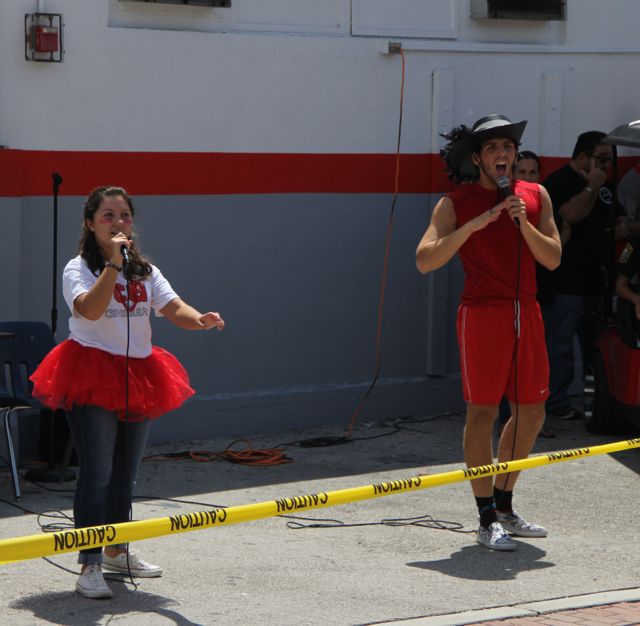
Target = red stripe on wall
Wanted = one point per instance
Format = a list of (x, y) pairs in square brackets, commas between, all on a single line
[(28, 172)]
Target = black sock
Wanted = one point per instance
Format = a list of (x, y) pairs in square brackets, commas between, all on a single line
[(487, 510), (503, 500)]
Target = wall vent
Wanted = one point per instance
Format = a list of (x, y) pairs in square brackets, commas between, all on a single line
[(541, 10), (195, 3)]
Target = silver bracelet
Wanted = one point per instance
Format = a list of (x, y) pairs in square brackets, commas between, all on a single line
[(117, 268)]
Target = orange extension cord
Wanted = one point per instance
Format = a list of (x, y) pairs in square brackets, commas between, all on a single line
[(247, 456), (385, 265)]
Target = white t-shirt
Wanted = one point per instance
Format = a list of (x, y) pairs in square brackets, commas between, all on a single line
[(629, 193), (109, 332)]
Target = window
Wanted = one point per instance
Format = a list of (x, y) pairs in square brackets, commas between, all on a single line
[(543, 10), (197, 3)]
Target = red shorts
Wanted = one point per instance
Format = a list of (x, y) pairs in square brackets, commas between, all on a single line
[(487, 341)]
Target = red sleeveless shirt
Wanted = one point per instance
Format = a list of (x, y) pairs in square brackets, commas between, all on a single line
[(490, 256)]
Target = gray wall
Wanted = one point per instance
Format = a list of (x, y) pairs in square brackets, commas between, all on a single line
[(297, 278)]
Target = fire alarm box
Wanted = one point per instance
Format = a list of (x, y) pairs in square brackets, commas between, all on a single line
[(43, 37), (47, 39)]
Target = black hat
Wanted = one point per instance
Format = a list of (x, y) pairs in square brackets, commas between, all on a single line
[(464, 141)]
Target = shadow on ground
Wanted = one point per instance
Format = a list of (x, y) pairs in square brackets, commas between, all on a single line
[(68, 609), (471, 563)]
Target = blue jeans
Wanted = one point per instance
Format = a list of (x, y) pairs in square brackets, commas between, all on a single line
[(561, 323), (109, 452)]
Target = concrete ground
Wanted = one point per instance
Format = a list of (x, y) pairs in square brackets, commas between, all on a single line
[(265, 572)]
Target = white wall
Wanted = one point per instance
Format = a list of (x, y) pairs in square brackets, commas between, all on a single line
[(300, 77), (313, 86)]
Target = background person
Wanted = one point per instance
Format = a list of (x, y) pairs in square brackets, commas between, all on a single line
[(575, 291), (527, 167), (629, 197), (85, 375), (628, 270)]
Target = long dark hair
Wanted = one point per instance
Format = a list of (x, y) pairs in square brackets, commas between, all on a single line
[(139, 266), (527, 154)]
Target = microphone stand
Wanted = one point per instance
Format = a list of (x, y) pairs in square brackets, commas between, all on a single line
[(51, 473), (57, 181)]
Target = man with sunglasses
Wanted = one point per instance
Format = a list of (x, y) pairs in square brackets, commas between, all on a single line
[(581, 196)]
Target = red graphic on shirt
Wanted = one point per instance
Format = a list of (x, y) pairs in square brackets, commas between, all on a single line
[(137, 293)]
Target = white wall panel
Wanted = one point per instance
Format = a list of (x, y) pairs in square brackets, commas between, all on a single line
[(299, 16), (404, 18), (328, 17)]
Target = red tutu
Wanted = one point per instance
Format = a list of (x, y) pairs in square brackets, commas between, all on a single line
[(74, 374)]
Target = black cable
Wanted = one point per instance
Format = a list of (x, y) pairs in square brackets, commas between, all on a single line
[(380, 436), (515, 355), (6, 462), (421, 420), (18, 506), (424, 521), (59, 514), (313, 442), (138, 497), (396, 424), (129, 485), (320, 442), (69, 524), (107, 576), (54, 528)]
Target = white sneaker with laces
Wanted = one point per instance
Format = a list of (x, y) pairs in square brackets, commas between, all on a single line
[(515, 524), (136, 566), (91, 583), (494, 538)]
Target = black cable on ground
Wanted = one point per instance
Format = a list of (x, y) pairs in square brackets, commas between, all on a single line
[(424, 521)]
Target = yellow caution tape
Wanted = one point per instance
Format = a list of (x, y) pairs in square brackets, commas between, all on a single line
[(35, 546)]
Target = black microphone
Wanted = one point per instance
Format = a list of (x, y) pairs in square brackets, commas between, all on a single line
[(57, 181), (505, 189), (124, 251)]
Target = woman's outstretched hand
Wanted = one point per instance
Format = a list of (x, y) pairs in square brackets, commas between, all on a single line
[(211, 320)]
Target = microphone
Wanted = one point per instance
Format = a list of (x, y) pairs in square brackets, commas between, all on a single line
[(57, 181), (124, 251), (505, 189)]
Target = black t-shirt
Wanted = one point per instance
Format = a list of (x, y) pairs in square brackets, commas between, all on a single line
[(587, 258)]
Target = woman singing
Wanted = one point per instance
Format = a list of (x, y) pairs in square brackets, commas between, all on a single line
[(111, 407)]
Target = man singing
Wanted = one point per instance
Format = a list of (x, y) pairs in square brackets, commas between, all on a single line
[(500, 235)]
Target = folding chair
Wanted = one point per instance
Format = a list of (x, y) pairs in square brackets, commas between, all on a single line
[(23, 345)]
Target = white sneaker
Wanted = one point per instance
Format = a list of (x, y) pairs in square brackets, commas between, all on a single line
[(136, 566), (515, 524), (495, 538), (91, 583)]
